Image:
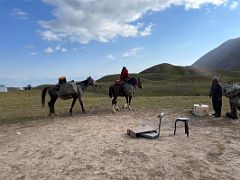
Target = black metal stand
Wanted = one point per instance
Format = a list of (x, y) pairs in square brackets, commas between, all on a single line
[(185, 120), (153, 134)]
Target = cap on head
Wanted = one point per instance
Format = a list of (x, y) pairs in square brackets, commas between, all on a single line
[(215, 78), (62, 78)]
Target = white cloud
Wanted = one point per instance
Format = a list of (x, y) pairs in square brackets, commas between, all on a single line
[(56, 49), (18, 13), (49, 50), (50, 36), (34, 53), (133, 52), (147, 31), (64, 50), (93, 20), (234, 5), (195, 4), (110, 56)]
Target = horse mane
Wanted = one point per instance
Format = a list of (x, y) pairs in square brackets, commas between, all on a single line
[(81, 82), (133, 81), (84, 81)]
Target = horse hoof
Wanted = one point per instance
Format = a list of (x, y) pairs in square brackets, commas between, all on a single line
[(84, 112), (129, 108), (125, 106), (114, 111)]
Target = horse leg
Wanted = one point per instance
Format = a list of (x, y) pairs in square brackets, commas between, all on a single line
[(55, 99), (73, 102), (50, 108), (114, 104), (130, 99), (81, 103), (126, 104), (51, 105)]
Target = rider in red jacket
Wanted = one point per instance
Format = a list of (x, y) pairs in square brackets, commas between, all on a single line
[(124, 74)]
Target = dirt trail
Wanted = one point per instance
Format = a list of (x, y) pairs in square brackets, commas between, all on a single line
[(97, 147)]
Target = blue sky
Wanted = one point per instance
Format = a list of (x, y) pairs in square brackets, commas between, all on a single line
[(44, 39)]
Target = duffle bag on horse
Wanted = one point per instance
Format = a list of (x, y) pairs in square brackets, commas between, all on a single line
[(68, 89)]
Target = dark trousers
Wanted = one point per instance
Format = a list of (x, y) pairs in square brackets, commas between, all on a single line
[(217, 106)]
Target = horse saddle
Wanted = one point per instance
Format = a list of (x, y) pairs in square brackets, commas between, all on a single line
[(127, 88)]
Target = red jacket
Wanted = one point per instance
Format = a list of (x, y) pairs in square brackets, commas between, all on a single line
[(124, 74)]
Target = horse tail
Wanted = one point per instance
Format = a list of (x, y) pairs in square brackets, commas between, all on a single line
[(110, 92), (44, 91)]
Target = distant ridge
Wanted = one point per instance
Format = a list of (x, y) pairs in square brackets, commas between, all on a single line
[(225, 57), (163, 72), (171, 69)]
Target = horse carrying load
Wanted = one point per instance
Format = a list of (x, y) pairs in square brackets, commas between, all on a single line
[(232, 91), (66, 90)]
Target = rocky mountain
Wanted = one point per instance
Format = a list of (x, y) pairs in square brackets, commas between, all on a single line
[(225, 57)]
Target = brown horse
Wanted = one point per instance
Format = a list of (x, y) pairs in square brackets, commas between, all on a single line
[(54, 94), (124, 89)]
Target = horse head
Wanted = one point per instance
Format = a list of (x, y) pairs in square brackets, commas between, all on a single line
[(136, 82), (139, 83), (91, 81)]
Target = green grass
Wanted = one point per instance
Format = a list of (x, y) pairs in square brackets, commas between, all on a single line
[(168, 80), (22, 106), (163, 88), (175, 88)]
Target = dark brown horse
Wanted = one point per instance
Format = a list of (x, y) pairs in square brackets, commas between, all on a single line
[(54, 94), (124, 89)]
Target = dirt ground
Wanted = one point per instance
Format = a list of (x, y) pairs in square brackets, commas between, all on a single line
[(96, 146)]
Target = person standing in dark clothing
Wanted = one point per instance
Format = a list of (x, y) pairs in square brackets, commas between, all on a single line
[(216, 95)]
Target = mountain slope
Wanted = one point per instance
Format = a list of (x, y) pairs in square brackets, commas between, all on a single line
[(225, 57), (170, 69), (170, 72), (162, 72)]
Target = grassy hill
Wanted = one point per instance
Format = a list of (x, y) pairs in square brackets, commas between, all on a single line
[(168, 80), (168, 68), (164, 79)]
